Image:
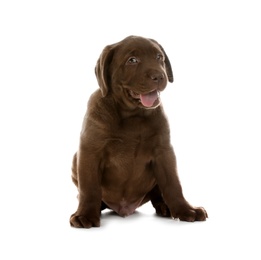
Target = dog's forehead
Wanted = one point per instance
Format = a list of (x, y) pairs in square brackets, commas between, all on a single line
[(137, 46)]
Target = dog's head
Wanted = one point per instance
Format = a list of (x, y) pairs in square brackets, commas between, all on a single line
[(134, 71)]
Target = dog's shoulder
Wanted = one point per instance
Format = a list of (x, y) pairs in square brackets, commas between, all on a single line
[(101, 112)]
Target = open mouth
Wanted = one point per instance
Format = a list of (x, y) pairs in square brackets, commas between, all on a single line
[(150, 99)]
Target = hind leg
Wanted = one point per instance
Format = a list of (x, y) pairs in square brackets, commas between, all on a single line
[(104, 206), (158, 202), (74, 170)]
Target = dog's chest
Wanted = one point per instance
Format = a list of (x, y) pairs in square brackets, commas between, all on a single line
[(127, 165), (133, 140)]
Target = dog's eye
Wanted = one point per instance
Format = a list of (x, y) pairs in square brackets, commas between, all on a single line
[(132, 61), (159, 57)]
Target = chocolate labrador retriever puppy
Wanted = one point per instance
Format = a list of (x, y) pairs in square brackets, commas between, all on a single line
[(125, 158)]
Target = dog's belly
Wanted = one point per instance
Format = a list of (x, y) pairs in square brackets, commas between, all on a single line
[(124, 196), (124, 188), (127, 173), (123, 207)]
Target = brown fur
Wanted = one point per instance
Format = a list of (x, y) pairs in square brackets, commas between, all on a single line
[(125, 158)]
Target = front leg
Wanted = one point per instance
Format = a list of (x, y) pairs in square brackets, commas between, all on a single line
[(165, 170), (86, 176)]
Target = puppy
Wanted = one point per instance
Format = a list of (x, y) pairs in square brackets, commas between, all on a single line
[(125, 157)]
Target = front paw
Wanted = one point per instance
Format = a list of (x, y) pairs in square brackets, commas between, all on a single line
[(81, 221), (185, 212)]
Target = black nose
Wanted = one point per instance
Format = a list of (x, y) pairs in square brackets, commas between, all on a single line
[(157, 76)]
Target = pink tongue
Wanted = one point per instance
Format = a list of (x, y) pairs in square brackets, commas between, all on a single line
[(148, 100)]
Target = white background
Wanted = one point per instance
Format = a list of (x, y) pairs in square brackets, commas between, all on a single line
[(48, 50)]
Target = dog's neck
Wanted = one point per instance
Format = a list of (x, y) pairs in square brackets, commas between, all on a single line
[(139, 112)]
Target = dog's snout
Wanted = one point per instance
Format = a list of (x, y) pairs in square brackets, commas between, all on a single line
[(157, 76)]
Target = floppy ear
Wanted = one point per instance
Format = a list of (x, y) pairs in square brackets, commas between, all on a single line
[(102, 69), (167, 63), (168, 66)]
